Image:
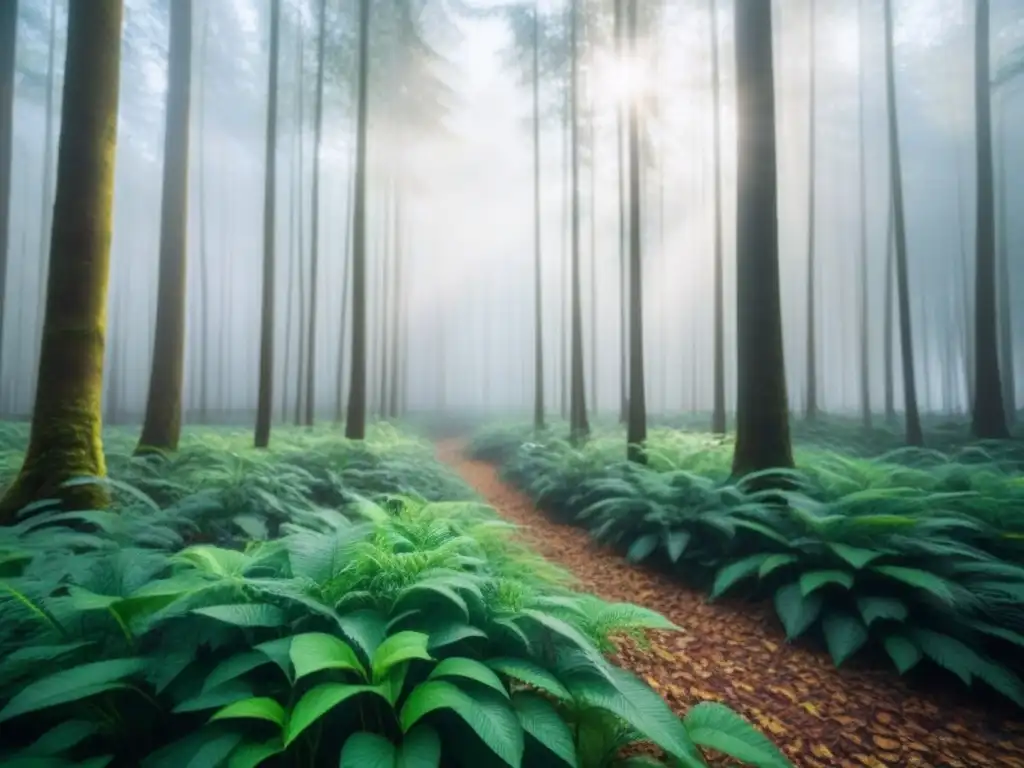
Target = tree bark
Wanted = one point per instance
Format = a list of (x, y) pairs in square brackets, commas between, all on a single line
[(538, 297), (989, 417), (161, 427), (718, 410), (579, 428), (8, 44), (865, 324), (762, 413), (65, 438), (811, 409), (264, 406)]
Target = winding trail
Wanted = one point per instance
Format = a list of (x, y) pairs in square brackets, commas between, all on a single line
[(821, 717)]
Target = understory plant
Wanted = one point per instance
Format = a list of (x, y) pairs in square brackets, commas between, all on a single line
[(395, 632), (914, 554)]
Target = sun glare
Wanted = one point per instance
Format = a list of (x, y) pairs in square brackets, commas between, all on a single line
[(620, 79)]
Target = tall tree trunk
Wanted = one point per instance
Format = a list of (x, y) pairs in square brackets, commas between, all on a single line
[(204, 253), (46, 209), (355, 422), (718, 411), (162, 425), (381, 326), (913, 418), (811, 412), (593, 257), (989, 418), (264, 407), (965, 290), (65, 439), (620, 128), (538, 306), (290, 288), (762, 411), (8, 43), (300, 370), (865, 345), (636, 424), (890, 274), (1006, 362), (394, 377), (314, 259), (579, 428), (563, 283), (340, 374)]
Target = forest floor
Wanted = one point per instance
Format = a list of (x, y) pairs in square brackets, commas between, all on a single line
[(734, 652)]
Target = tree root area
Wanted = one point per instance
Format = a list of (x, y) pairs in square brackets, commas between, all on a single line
[(736, 653)]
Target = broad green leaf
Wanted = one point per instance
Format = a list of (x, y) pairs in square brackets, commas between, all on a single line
[(450, 632), (491, 717), (205, 748), (642, 547), (797, 612), (279, 652), (421, 748), (563, 629), (814, 580), (234, 667), (228, 693), (715, 726), (541, 720), (1002, 680), (773, 562), (470, 670), (317, 702), (368, 750), (947, 652), (252, 755), (402, 646), (532, 674), (858, 557), (845, 634), (245, 614), (71, 685), (315, 651), (903, 652), (628, 698), (915, 577), (63, 737), (676, 542), (734, 573), (874, 608), (257, 708)]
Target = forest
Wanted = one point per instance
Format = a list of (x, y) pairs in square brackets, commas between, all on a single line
[(588, 383)]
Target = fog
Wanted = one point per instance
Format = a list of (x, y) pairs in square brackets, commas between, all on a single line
[(465, 156)]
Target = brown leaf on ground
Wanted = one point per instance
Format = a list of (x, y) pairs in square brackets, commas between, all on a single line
[(736, 653)]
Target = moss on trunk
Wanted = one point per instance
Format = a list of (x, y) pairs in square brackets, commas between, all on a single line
[(65, 440)]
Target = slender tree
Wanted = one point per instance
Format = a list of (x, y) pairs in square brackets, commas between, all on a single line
[(579, 427), (913, 419), (718, 412), (46, 208), (620, 129), (538, 297), (264, 405), (339, 414), (865, 373), (989, 417), (65, 438), (636, 424), (161, 427), (8, 42), (762, 414), (889, 332), (204, 235), (1005, 305), (355, 422), (314, 259), (811, 406)]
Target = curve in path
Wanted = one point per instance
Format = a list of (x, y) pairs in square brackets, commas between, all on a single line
[(822, 717)]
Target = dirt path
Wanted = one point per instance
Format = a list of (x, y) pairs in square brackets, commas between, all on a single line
[(822, 717)]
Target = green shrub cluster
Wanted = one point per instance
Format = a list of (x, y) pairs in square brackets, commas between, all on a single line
[(396, 632), (913, 553)]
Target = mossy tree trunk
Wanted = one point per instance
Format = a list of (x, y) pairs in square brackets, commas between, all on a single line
[(538, 305), (65, 439), (636, 423), (46, 188), (718, 411), (8, 41), (355, 421), (264, 404), (989, 417), (162, 425), (762, 413), (913, 419), (314, 258)]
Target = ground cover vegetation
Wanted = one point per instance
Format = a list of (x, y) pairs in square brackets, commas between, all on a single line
[(242, 608), (913, 555)]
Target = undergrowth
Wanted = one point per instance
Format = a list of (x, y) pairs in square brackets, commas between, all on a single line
[(914, 553), (347, 613)]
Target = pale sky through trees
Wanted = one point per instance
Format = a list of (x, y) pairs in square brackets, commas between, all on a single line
[(470, 231)]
